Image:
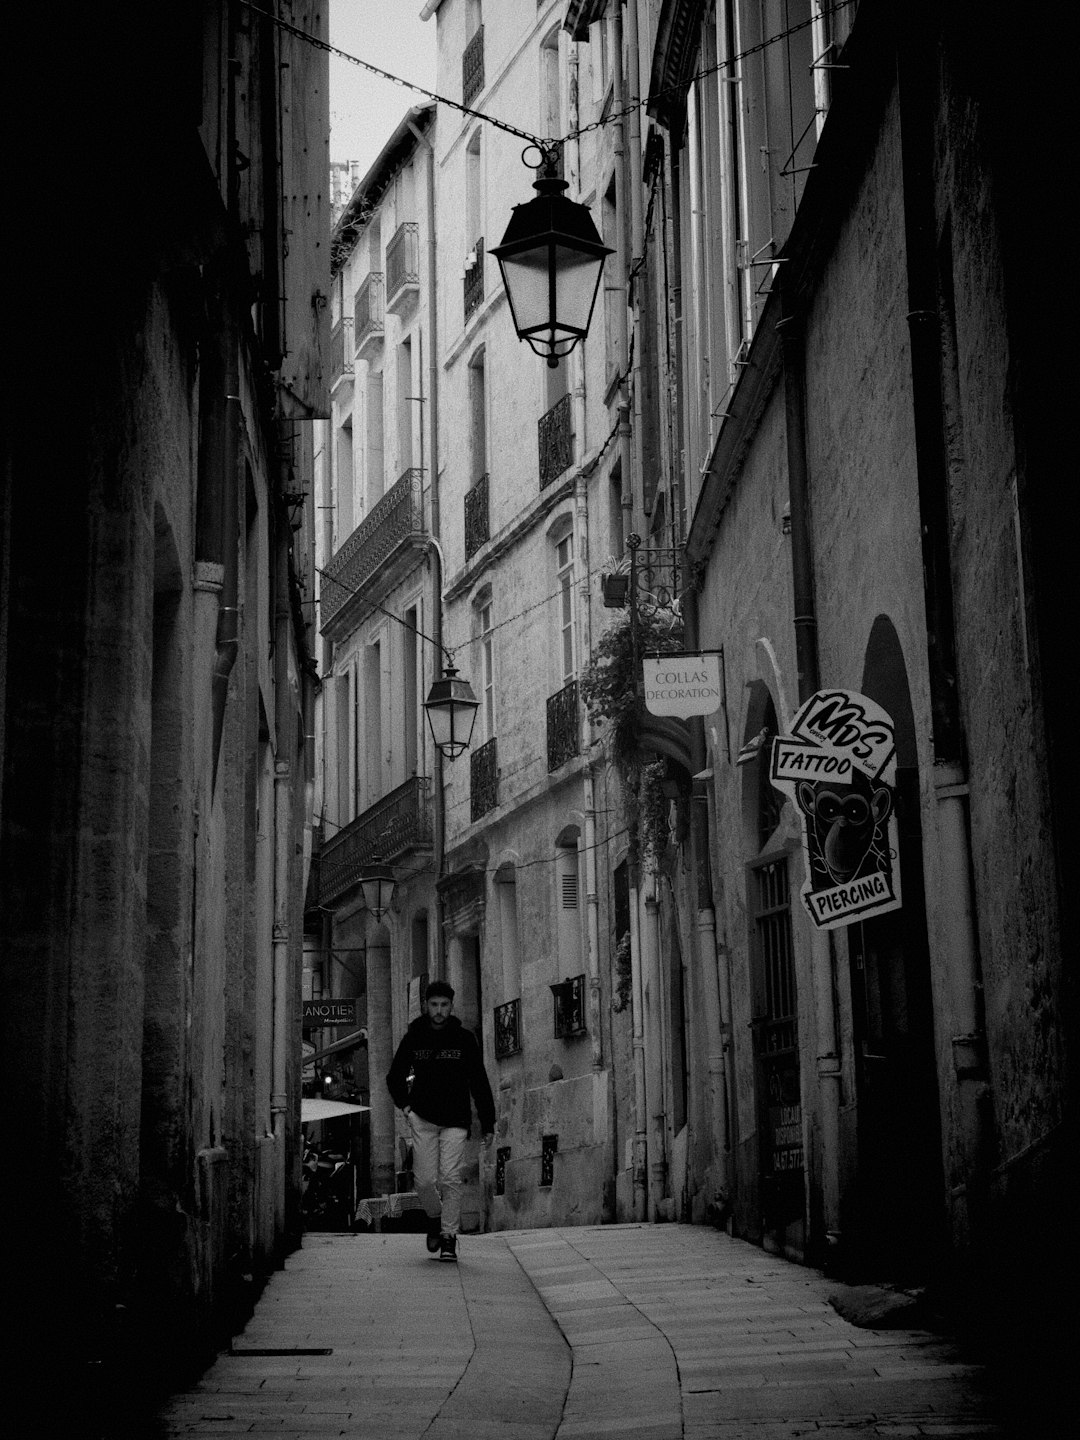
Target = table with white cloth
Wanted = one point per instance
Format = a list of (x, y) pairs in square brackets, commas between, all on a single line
[(374, 1208)]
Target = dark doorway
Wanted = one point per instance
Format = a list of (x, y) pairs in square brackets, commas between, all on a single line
[(895, 1229)]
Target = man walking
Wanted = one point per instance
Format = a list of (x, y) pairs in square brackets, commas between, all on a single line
[(447, 1067)]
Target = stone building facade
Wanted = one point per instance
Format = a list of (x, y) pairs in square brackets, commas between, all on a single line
[(157, 677)]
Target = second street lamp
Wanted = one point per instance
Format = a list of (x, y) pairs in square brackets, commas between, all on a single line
[(551, 258), (451, 710)]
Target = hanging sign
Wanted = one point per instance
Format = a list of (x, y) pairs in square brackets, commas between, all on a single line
[(838, 766), (682, 683)]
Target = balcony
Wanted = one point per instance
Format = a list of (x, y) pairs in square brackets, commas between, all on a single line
[(474, 277), (341, 354), (562, 726), (556, 439), (472, 68), (569, 998), (507, 1029), (403, 268), (483, 780), (394, 526), (477, 532), (394, 825), (368, 313)]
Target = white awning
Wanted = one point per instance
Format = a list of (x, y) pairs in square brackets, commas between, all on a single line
[(319, 1109)]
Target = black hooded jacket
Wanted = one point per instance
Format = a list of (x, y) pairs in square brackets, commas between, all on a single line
[(447, 1067)]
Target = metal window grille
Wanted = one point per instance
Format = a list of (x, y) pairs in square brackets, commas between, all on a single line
[(368, 311), (472, 67), (502, 1156), (507, 1029), (483, 779), (403, 258), (477, 532), (548, 1150), (556, 441), (563, 740)]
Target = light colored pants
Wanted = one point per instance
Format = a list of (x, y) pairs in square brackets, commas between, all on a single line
[(438, 1166)]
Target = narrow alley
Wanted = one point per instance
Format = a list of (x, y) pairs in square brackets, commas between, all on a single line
[(653, 1332)]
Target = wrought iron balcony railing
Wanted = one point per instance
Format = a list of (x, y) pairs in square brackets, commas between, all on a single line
[(483, 779), (341, 351), (507, 1029), (477, 532), (472, 67), (556, 439), (569, 998), (399, 822), (474, 278), (368, 313), (396, 522), (403, 265), (563, 730)]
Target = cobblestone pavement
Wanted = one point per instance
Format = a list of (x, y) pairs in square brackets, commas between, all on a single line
[(647, 1332)]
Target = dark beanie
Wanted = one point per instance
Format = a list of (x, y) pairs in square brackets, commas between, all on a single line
[(439, 987)]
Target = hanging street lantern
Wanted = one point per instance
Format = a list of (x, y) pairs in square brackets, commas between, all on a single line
[(451, 710), (551, 258), (377, 883)]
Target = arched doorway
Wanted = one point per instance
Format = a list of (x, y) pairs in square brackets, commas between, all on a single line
[(896, 1226), (774, 1018)]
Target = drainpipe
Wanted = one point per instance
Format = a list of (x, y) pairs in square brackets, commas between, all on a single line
[(708, 954), (956, 918), (592, 897), (285, 729), (637, 997), (806, 658), (438, 798), (622, 267), (632, 166), (654, 1072)]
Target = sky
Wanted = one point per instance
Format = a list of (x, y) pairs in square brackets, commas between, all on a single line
[(364, 109)]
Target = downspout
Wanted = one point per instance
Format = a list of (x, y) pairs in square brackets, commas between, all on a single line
[(618, 148), (654, 1075), (708, 956), (284, 731), (592, 897), (438, 799), (637, 1000), (632, 166), (916, 74), (806, 658)]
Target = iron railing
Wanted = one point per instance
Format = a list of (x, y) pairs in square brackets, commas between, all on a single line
[(340, 352), (472, 67), (399, 822), (474, 279), (477, 532), (369, 310), (562, 725), (396, 521), (507, 1029), (556, 440), (402, 260), (483, 779)]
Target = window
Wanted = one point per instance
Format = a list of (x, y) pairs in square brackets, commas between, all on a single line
[(405, 406), (564, 568), (373, 453), (568, 904), (548, 1150), (487, 668), (477, 417), (411, 667), (502, 1156)]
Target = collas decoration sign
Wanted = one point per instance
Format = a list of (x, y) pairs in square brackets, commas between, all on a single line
[(838, 766), (682, 683)]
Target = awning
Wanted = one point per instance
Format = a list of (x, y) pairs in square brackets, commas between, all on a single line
[(318, 1109)]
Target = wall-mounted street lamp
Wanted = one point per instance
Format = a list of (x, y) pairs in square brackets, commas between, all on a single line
[(551, 258), (377, 883), (451, 710)]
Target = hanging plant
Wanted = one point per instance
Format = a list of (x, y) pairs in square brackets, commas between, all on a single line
[(610, 688), (624, 974)]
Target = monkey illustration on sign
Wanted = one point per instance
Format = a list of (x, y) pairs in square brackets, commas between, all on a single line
[(837, 765), (847, 825)]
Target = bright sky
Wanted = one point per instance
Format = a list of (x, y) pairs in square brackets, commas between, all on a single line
[(364, 109)]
